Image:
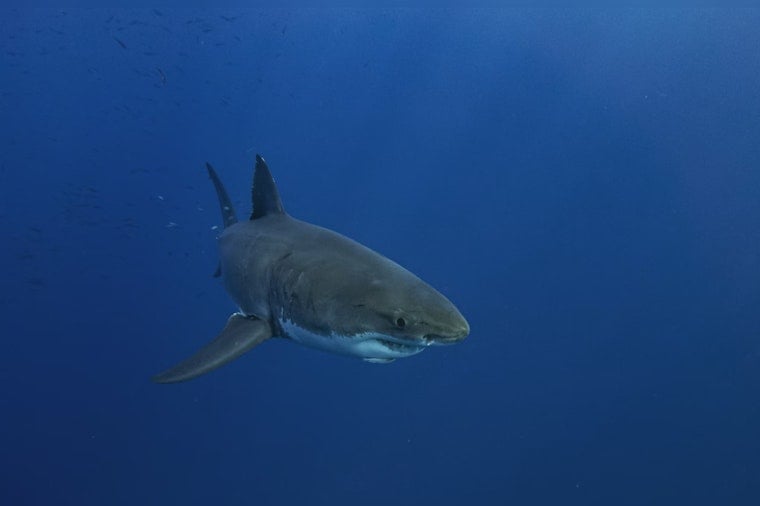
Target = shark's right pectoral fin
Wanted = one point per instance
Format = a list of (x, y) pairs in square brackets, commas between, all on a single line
[(239, 335)]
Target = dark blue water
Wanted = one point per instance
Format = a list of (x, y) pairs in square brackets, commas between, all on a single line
[(584, 185)]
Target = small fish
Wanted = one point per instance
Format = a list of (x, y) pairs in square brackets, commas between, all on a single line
[(162, 76), (119, 41)]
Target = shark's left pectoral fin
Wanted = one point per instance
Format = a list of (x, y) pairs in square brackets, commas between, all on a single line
[(239, 335)]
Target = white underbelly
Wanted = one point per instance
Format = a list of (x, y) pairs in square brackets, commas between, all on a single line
[(370, 346)]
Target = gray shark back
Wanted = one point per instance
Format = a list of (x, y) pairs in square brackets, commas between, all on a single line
[(298, 266)]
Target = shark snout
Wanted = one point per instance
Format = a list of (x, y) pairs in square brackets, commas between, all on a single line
[(452, 333)]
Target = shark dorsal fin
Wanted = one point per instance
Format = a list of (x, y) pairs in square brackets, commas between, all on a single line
[(225, 204), (266, 198)]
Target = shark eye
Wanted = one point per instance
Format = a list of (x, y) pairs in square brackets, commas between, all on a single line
[(400, 323)]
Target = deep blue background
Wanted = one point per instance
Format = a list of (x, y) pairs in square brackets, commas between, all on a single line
[(584, 185)]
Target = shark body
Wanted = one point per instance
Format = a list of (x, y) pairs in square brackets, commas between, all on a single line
[(295, 280)]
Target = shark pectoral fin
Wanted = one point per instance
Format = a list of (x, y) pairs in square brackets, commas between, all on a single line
[(238, 336)]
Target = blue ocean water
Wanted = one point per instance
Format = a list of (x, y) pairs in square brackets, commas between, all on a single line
[(583, 184)]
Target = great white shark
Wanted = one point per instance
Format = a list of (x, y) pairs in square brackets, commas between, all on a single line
[(295, 280)]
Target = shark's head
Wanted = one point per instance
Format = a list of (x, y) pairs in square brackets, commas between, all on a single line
[(383, 312), (409, 310)]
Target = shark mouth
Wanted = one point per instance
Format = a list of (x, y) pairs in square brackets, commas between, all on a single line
[(369, 345), (437, 340), (399, 347)]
